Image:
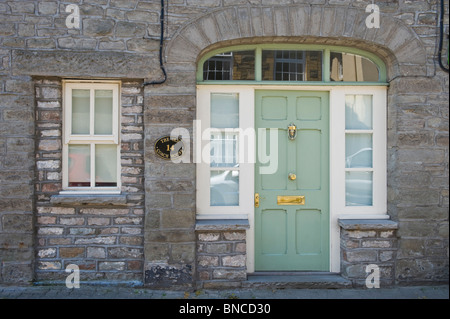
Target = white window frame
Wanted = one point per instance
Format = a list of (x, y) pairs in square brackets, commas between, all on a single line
[(91, 139), (246, 168), (378, 209)]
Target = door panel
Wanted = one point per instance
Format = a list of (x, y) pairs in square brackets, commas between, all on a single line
[(308, 172), (274, 108), (274, 219), (309, 108), (309, 231), (277, 181), (293, 237)]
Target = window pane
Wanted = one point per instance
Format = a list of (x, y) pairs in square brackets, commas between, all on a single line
[(291, 65), (225, 110), (79, 165), (358, 112), (358, 189), (80, 111), (224, 188), (105, 165), (358, 150), (239, 65), (353, 68), (103, 112), (224, 149)]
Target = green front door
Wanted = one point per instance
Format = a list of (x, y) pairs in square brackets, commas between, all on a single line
[(292, 220)]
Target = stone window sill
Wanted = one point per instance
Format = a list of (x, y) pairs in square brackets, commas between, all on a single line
[(89, 199), (221, 224), (367, 224)]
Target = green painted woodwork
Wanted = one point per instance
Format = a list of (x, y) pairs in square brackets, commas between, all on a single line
[(294, 237), (326, 49)]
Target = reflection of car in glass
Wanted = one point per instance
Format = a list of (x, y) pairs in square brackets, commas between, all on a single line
[(224, 188), (358, 190), (358, 185), (362, 158)]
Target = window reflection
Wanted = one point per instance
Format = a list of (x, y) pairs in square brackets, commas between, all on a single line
[(358, 188), (224, 189), (239, 65), (291, 65), (352, 68)]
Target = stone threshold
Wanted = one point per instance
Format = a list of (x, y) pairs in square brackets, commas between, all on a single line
[(296, 280)]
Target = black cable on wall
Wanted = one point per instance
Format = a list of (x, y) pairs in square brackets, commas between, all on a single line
[(161, 45), (441, 37)]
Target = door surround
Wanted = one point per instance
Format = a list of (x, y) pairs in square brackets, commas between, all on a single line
[(336, 100)]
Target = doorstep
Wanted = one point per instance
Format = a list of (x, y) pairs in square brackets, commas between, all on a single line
[(294, 280)]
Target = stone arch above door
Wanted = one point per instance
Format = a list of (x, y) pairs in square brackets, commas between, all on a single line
[(398, 45)]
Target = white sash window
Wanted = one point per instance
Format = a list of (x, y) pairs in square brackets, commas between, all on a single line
[(91, 152)]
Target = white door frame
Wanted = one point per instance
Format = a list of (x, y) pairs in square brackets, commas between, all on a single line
[(337, 162)]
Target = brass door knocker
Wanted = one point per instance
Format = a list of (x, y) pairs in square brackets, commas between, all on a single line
[(292, 131)]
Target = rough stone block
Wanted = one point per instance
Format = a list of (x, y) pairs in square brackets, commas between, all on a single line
[(374, 243), (96, 252), (71, 252), (234, 235), (112, 265), (17, 222), (208, 236), (208, 261), (218, 248), (16, 272), (183, 253), (47, 253), (361, 255), (234, 261)]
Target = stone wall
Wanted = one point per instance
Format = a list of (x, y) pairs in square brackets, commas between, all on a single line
[(418, 176), (102, 235), (417, 99), (16, 174), (221, 254), (119, 39), (170, 187), (368, 243)]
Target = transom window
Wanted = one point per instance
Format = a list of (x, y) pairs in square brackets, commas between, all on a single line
[(293, 63), (239, 65)]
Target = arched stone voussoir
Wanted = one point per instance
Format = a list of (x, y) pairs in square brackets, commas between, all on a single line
[(394, 42)]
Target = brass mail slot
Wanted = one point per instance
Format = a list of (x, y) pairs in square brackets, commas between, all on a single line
[(291, 200)]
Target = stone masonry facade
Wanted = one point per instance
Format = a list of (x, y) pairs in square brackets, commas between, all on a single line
[(365, 243), (221, 254), (149, 234), (102, 235)]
